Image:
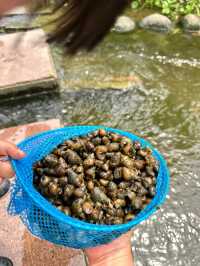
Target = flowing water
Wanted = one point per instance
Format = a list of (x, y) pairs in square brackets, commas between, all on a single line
[(165, 110)]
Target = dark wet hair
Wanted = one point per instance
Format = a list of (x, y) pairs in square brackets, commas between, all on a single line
[(84, 23)]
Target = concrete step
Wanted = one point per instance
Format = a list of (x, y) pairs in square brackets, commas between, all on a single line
[(23, 19), (12, 24), (25, 11), (25, 62), (17, 11)]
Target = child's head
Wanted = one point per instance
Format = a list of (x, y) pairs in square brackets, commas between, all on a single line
[(84, 23)]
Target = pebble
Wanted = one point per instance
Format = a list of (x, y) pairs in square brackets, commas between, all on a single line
[(191, 23), (156, 22), (124, 24)]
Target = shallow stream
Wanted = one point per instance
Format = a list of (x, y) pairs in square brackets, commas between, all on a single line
[(165, 110)]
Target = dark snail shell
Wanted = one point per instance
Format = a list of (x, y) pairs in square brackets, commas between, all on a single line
[(115, 160), (72, 157), (99, 195), (88, 207)]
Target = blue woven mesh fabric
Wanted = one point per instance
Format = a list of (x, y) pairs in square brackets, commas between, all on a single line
[(44, 220)]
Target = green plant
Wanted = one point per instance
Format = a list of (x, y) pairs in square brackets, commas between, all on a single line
[(172, 8)]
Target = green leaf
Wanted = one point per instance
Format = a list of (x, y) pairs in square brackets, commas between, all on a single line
[(166, 10), (172, 8), (135, 5)]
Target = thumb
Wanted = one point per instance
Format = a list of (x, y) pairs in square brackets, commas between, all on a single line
[(11, 150)]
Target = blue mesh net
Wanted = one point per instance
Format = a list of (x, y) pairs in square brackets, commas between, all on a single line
[(44, 220)]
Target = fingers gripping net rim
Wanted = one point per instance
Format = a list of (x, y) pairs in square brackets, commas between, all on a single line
[(44, 220)]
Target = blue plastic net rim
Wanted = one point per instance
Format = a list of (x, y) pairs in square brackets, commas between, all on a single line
[(53, 211), (92, 128), (84, 223)]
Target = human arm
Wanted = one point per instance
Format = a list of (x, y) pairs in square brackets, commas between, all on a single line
[(117, 253)]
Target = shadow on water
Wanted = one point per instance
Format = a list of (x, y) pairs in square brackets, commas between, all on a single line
[(166, 111)]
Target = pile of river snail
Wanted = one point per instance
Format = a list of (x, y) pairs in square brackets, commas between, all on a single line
[(100, 178)]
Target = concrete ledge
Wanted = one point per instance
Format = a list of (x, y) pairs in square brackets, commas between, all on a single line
[(15, 24), (25, 62), (17, 11), (24, 11)]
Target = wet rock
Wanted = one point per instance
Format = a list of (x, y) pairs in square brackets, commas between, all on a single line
[(15, 23), (4, 119), (124, 24), (191, 23), (156, 22)]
